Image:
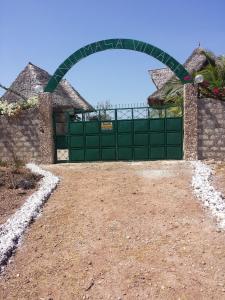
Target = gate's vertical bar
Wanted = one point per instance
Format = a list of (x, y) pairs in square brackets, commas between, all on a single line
[(132, 116), (54, 137), (149, 134), (116, 133), (165, 132), (100, 138), (68, 135), (182, 131), (84, 134)]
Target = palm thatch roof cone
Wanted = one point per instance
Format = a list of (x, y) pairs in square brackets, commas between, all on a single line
[(65, 96), (195, 62)]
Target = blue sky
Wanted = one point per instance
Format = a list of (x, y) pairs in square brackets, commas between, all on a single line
[(45, 32)]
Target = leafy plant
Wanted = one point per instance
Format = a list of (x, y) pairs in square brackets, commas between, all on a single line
[(214, 77), (173, 92)]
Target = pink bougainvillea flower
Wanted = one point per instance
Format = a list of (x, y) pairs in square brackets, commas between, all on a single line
[(216, 90), (187, 77)]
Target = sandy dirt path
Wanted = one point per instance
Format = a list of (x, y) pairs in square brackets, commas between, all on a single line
[(120, 231)]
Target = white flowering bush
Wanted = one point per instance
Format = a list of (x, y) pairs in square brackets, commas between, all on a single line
[(12, 109)]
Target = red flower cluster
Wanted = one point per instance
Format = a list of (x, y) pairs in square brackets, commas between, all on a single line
[(212, 91), (187, 78), (216, 90)]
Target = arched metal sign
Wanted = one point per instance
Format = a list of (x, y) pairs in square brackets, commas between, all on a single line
[(127, 44)]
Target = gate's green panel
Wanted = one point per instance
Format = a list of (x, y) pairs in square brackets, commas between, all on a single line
[(141, 153), (92, 141), (108, 140), (141, 139), (92, 127), (131, 139), (174, 152), (77, 155), (124, 126), (77, 141), (125, 153), (76, 128), (157, 138), (109, 154), (61, 142), (124, 140), (174, 138), (174, 124), (157, 153), (141, 125), (157, 124), (92, 154)]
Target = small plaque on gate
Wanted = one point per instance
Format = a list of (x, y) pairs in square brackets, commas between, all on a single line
[(106, 126)]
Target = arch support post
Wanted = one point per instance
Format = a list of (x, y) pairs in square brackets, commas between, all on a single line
[(45, 128), (190, 122)]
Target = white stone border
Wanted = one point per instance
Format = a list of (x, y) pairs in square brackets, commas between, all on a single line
[(12, 230), (212, 199)]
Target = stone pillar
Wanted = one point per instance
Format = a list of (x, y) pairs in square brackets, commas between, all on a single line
[(190, 122), (46, 129)]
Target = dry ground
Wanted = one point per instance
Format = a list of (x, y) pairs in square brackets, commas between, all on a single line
[(13, 193), (120, 231)]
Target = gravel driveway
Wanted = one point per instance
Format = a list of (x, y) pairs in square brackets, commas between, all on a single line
[(120, 231)]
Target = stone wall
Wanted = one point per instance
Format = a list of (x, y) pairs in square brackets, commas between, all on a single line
[(211, 129), (204, 126), (29, 136)]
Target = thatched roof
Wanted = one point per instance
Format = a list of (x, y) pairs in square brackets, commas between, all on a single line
[(26, 83), (195, 62), (160, 76)]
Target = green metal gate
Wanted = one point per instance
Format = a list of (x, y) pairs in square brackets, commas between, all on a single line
[(123, 134)]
